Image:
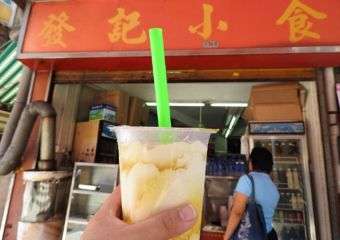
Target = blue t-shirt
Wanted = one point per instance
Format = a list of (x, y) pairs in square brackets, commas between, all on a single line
[(266, 194)]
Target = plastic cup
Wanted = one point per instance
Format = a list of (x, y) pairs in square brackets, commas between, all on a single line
[(156, 175)]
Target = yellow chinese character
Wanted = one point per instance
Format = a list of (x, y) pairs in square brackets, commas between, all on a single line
[(297, 15), (205, 28), (122, 25), (54, 29)]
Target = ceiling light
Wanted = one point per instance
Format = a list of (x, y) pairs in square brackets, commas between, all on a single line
[(153, 104), (232, 124), (231, 104)]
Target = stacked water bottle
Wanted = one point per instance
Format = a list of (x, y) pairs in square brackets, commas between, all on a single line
[(229, 165)]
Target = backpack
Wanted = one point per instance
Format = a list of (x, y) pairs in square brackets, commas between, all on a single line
[(252, 225)]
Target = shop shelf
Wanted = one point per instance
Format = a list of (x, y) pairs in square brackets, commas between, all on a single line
[(286, 163), (107, 154), (292, 156), (92, 183), (217, 197), (290, 189), (78, 191), (290, 209), (222, 177), (78, 221), (213, 229), (289, 224)]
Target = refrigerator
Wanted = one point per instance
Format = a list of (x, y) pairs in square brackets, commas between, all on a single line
[(294, 217)]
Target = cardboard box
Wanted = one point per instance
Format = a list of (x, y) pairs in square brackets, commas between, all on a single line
[(117, 99), (145, 117), (275, 103), (85, 141), (275, 93), (103, 112), (136, 109), (274, 113)]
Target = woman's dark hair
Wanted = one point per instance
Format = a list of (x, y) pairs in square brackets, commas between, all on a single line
[(262, 160)]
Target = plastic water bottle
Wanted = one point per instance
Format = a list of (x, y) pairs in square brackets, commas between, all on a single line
[(243, 168), (214, 168), (233, 168), (237, 169), (227, 168), (220, 168)]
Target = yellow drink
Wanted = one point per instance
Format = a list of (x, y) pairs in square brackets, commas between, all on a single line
[(156, 175)]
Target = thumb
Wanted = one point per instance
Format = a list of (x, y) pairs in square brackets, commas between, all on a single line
[(168, 224)]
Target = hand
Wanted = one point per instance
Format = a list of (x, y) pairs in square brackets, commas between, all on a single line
[(225, 237), (106, 224)]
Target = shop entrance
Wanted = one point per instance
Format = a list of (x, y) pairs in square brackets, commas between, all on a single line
[(218, 105)]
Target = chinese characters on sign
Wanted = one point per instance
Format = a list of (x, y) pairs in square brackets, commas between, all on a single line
[(298, 16), (54, 27), (122, 25), (205, 29)]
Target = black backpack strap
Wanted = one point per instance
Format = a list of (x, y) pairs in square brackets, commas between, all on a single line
[(252, 195), (259, 209)]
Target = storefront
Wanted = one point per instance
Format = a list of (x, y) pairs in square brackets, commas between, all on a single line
[(80, 50)]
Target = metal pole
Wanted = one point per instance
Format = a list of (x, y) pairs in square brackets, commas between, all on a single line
[(330, 171), (333, 119)]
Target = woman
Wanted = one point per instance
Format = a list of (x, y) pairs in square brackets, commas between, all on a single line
[(266, 193)]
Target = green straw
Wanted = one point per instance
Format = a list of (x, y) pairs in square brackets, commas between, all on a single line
[(160, 79)]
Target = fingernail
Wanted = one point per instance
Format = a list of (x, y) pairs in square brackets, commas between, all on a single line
[(187, 213)]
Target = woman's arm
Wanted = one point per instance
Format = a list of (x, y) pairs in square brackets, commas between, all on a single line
[(237, 211)]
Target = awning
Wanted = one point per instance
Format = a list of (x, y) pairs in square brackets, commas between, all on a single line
[(10, 73)]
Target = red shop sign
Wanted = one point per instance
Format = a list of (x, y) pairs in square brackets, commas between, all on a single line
[(77, 26)]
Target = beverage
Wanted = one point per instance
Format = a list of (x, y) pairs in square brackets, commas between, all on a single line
[(220, 167), (294, 201), (278, 150), (270, 146), (238, 168), (290, 178), (299, 218), (291, 217), (293, 149), (286, 200), (282, 177), (281, 217), (243, 167), (300, 201), (296, 182), (275, 176), (227, 167), (214, 167), (161, 169), (232, 167)]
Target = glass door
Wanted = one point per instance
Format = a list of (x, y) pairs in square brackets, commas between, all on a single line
[(290, 173)]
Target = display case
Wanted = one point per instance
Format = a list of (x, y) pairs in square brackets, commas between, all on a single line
[(222, 174), (294, 218), (91, 184)]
